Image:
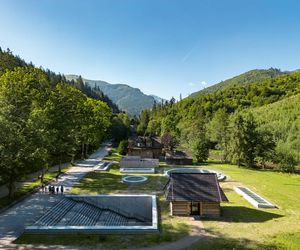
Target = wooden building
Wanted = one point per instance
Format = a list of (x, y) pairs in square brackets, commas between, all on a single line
[(178, 158), (145, 147), (194, 194)]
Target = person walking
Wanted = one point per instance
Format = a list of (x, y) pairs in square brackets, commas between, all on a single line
[(62, 189), (57, 190)]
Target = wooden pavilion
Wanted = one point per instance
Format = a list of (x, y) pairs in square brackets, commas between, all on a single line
[(194, 194)]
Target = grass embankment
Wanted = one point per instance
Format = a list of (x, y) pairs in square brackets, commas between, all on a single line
[(171, 228), (113, 155), (29, 187), (243, 226)]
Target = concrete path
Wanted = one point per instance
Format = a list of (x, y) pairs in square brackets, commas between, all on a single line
[(15, 219)]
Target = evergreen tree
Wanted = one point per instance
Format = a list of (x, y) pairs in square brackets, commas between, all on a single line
[(198, 141), (237, 140), (251, 140), (143, 122), (219, 131)]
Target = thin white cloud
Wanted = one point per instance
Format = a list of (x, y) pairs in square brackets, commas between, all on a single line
[(187, 55)]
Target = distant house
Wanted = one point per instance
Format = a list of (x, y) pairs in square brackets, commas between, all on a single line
[(145, 147), (194, 194), (178, 158)]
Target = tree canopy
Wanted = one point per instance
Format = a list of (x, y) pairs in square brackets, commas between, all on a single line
[(44, 120)]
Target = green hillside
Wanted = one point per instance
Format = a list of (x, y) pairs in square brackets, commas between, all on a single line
[(283, 120), (245, 78), (129, 99), (222, 121)]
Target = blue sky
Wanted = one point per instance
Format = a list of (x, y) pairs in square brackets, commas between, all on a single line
[(164, 47)]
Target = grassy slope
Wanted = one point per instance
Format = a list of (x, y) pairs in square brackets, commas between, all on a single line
[(246, 227)]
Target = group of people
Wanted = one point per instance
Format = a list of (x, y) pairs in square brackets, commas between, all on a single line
[(53, 189)]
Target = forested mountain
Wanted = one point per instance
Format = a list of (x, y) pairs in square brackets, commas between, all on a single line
[(245, 78), (239, 120), (128, 99)]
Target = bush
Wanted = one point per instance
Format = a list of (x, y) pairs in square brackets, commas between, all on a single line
[(200, 150), (122, 148), (287, 161)]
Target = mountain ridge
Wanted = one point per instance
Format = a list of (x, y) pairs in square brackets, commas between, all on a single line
[(129, 99), (247, 77)]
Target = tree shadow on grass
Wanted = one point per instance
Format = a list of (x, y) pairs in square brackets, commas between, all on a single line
[(217, 240), (246, 214)]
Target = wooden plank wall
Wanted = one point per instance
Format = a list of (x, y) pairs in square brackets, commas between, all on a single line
[(207, 209), (180, 208), (211, 209)]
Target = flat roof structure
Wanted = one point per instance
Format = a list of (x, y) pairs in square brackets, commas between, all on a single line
[(99, 214)]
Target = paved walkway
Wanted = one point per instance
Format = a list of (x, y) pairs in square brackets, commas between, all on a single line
[(15, 219)]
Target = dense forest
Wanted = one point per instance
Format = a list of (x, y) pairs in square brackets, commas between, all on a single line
[(45, 119), (254, 124)]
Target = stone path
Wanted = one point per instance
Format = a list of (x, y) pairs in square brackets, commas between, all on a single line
[(15, 219)]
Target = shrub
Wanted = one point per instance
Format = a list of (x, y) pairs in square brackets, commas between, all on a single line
[(122, 148)]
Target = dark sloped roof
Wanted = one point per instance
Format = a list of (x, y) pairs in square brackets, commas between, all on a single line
[(194, 187), (145, 142)]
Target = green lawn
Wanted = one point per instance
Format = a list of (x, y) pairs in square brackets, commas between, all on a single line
[(113, 156), (241, 226), (111, 182)]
